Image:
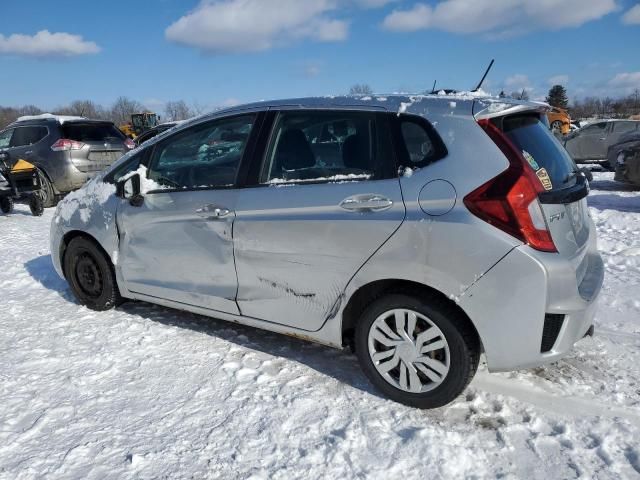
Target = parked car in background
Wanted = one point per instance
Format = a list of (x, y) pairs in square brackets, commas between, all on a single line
[(67, 151), (417, 237), (155, 131), (624, 158), (591, 143), (559, 120)]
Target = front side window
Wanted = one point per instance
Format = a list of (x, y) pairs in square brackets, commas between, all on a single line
[(5, 138), (204, 156), (24, 136), (322, 146)]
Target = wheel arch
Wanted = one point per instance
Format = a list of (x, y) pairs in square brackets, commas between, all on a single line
[(69, 236), (369, 292)]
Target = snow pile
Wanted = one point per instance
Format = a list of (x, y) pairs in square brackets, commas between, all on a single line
[(59, 118), (149, 392), (333, 178), (146, 184)]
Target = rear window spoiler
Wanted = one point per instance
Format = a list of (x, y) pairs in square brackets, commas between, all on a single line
[(491, 108), (571, 194)]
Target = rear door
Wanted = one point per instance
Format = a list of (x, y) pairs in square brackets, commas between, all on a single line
[(103, 144), (324, 196), (593, 141), (22, 145)]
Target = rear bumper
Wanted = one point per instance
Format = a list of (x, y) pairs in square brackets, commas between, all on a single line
[(509, 303)]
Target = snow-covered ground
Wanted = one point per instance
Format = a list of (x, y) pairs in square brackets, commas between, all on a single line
[(149, 392)]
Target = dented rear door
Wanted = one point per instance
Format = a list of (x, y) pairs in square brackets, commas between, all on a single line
[(298, 240)]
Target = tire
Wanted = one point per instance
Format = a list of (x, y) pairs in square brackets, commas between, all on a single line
[(557, 125), (6, 205), (36, 205), (452, 344), (91, 275), (49, 198)]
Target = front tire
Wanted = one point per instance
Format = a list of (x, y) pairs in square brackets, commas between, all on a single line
[(417, 350), (36, 205), (90, 274)]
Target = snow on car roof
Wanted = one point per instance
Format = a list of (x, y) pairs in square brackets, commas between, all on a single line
[(59, 118)]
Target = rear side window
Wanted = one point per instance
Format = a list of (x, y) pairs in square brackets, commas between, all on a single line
[(540, 149), (24, 136), (420, 145), (5, 138), (325, 146), (91, 132), (621, 127)]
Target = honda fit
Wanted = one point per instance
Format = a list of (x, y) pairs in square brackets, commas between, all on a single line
[(419, 231)]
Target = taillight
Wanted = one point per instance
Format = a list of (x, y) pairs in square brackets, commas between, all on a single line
[(129, 144), (510, 200), (65, 144)]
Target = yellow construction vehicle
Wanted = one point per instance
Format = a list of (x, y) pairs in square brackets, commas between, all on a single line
[(140, 123)]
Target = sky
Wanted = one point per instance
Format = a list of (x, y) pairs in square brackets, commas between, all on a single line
[(224, 52)]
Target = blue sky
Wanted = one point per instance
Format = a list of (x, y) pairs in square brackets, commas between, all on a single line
[(221, 52)]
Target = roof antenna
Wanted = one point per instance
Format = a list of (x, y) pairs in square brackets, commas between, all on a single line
[(433, 89), (484, 76)]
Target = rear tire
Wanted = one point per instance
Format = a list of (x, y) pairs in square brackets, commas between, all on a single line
[(434, 345), (6, 205), (49, 198), (91, 276)]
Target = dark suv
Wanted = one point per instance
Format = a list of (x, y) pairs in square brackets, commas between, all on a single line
[(67, 151)]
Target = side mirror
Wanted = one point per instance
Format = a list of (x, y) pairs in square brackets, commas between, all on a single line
[(129, 188), (587, 173)]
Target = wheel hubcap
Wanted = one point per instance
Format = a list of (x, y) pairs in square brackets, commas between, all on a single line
[(89, 276), (409, 351)]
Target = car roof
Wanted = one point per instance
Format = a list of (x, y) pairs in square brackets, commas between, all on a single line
[(461, 102), (47, 118)]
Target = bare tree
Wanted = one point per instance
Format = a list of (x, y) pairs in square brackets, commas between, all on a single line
[(177, 110), (84, 108), (123, 108), (360, 89)]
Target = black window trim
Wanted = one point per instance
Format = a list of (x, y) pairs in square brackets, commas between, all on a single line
[(252, 179), (246, 155), (16, 127), (402, 153)]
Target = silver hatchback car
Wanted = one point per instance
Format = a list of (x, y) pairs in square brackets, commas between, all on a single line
[(420, 231)]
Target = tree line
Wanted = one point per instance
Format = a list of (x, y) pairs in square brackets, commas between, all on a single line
[(119, 112)]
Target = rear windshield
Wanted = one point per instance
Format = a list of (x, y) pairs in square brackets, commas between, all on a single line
[(540, 149), (91, 132)]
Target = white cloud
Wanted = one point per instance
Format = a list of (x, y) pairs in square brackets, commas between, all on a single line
[(632, 17), (46, 44), (230, 26), (498, 17), (417, 18), (626, 82), (517, 81), (312, 70), (558, 80)]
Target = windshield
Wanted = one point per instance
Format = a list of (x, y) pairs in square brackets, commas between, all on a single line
[(540, 148)]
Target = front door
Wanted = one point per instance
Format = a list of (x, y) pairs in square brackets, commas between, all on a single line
[(326, 198), (178, 244)]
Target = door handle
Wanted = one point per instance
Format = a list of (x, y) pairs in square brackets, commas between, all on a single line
[(366, 202), (28, 152), (213, 212)]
